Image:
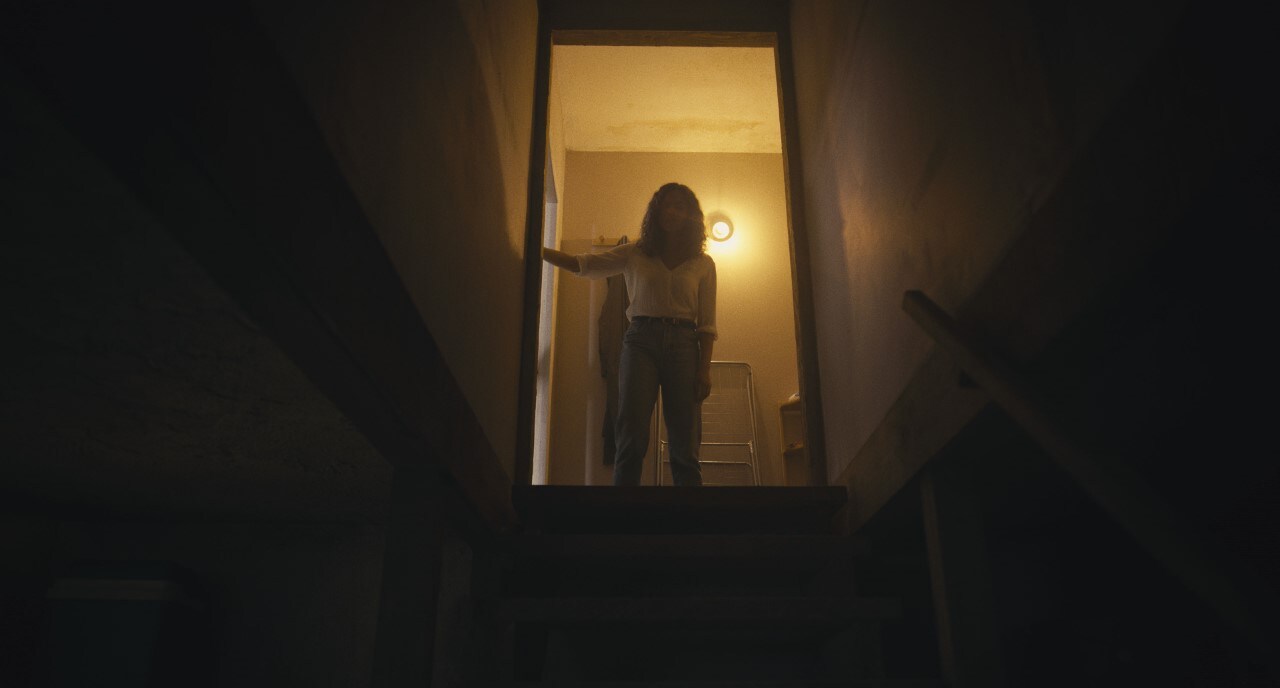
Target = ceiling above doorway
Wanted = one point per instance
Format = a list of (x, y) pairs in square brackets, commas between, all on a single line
[(667, 99)]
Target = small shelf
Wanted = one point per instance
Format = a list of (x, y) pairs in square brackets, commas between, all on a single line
[(795, 459)]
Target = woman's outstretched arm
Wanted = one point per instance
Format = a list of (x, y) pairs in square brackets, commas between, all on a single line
[(561, 259)]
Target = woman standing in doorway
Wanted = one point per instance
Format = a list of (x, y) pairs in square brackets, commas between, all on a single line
[(671, 283)]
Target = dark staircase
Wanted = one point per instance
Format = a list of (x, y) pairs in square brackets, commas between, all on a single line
[(682, 587)]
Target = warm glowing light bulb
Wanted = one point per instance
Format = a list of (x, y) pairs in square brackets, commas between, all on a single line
[(721, 230)]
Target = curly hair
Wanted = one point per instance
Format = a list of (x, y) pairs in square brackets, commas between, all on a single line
[(694, 234)]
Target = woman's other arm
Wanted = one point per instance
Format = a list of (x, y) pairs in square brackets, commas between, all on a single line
[(706, 342), (706, 329), (561, 259)]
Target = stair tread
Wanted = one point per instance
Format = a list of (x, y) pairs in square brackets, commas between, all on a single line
[(687, 510), (683, 546), (696, 609), (798, 683)]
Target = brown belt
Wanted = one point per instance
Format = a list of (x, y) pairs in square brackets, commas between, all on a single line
[(679, 322)]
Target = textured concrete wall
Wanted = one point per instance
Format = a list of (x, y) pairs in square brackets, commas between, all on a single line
[(606, 193), (427, 108), (929, 133)]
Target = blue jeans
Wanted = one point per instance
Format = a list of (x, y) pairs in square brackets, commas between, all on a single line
[(657, 354)]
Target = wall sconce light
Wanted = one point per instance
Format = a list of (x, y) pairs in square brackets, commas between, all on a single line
[(721, 226)]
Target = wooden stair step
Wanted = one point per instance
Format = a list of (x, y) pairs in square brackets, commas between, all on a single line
[(696, 610), (799, 683), (780, 550), (678, 510)]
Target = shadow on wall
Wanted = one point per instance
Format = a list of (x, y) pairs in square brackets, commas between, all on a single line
[(832, 309)]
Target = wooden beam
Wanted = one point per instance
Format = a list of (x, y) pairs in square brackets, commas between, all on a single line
[(697, 39), (533, 241), (717, 19), (931, 410), (806, 332)]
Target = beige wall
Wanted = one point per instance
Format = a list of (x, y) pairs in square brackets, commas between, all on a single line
[(929, 134), (427, 109), (606, 193), (577, 389)]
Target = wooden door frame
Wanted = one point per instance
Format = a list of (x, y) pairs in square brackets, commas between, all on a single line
[(552, 32)]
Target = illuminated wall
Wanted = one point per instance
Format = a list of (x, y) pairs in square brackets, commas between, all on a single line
[(606, 193), (929, 135)]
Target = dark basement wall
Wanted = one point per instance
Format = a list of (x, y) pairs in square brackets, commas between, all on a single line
[(970, 153), (132, 383), (427, 108), (147, 420), (930, 133), (140, 401), (286, 604)]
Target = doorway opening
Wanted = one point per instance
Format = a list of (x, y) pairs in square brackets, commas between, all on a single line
[(621, 121)]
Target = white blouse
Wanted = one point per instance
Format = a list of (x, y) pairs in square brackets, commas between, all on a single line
[(688, 291)]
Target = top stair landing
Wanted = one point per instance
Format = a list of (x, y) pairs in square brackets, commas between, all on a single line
[(678, 510)]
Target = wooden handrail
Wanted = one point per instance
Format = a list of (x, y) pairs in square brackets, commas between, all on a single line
[(1189, 552)]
